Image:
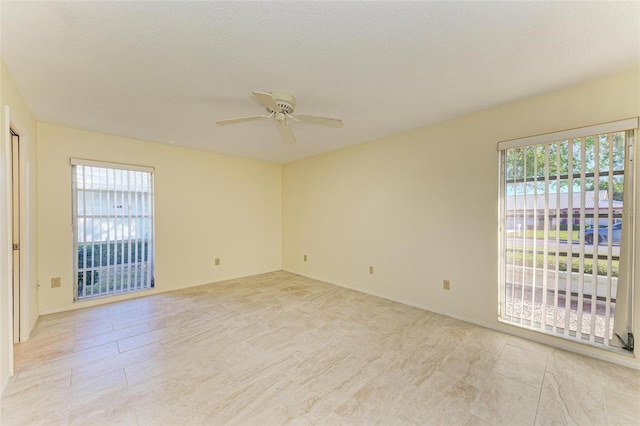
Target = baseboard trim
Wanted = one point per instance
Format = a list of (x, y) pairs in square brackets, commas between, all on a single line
[(601, 354), (136, 294)]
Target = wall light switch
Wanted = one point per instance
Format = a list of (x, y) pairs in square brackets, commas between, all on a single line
[(305, 257), (371, 269), (216, 261), (55, 282), (446, 284)]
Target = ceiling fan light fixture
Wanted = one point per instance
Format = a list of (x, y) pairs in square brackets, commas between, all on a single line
[(281, 118)]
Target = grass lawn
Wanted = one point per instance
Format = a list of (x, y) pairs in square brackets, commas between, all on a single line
[(539, 235)]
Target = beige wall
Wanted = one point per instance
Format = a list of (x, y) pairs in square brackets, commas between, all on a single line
[(422, 206), (23, 121), (206, 205)]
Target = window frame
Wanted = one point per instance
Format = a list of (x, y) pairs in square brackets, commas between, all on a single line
[(148, 218), (627, 271)]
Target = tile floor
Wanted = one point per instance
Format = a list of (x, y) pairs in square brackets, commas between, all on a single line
[(283, 349)]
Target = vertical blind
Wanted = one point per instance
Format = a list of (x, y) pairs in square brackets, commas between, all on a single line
[(565, 237), (113, 224)]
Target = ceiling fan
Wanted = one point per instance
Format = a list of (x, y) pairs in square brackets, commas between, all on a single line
[(280, 107)]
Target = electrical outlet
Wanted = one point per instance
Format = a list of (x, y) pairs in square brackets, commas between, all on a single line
[(305, 257), (216, 261), (371, 270), (446, 284), (55, 282)]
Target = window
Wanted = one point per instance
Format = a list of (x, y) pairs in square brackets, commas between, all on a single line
[(566, 233), (113, 228)]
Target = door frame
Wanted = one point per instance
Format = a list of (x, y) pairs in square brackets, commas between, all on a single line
[(24, 319), (16, 233)]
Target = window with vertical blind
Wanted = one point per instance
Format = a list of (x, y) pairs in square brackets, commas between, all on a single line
[(113, 228), (567, 225)]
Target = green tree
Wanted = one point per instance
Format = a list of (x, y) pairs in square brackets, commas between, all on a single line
[(526, 167)]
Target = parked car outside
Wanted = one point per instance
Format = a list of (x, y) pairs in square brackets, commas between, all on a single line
[(603, 234)]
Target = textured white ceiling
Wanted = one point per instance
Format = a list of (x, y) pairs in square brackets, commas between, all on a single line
[(166, 71)]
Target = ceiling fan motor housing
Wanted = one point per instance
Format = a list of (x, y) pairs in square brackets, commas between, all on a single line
[(285, 101)]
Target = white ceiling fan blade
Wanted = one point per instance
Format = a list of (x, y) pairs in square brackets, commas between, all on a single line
[(241, 119), (323, 121), (267, 100), (287, 134)]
